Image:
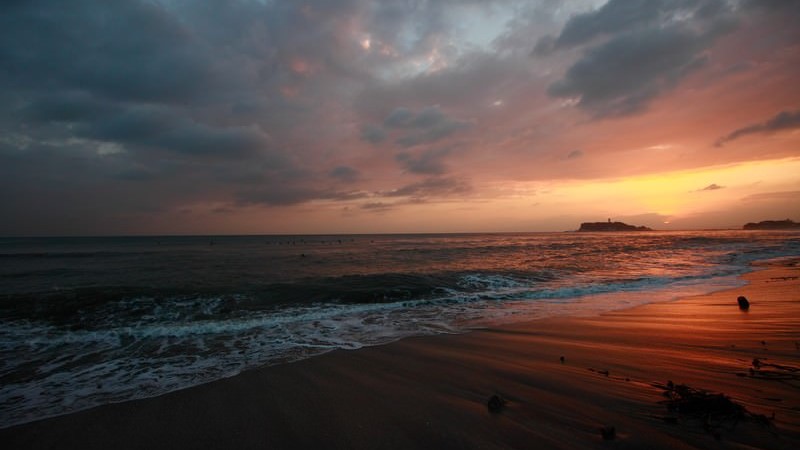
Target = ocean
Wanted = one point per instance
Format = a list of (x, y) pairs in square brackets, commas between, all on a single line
[(86, 321)]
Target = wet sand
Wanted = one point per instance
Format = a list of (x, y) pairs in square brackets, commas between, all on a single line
[(432, 392)]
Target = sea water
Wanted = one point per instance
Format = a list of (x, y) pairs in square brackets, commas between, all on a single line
[(95, 320)]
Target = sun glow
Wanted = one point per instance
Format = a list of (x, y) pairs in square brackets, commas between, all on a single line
[(681, 193)]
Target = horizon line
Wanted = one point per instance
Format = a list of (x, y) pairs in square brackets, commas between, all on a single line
[(406, 233)]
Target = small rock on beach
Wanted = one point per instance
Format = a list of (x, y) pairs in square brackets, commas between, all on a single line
[(608, 432), (744, 304), (495, 403)]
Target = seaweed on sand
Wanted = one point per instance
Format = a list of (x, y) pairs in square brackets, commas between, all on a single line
[(770, 371), (713, 410)]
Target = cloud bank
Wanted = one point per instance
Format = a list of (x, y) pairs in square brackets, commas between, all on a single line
[(131, 115), (784, 120)]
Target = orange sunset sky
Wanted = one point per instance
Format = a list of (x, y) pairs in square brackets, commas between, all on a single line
[(162, 117)]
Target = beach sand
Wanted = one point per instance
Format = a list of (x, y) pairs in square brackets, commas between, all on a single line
[(432, 392)]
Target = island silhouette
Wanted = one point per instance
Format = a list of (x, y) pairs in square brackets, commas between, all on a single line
[(611, 226), (772, 225)]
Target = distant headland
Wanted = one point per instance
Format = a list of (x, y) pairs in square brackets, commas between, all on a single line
[(610, 226), (772, 225)]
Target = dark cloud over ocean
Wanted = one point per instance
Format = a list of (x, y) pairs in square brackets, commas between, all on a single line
[(116, 114)]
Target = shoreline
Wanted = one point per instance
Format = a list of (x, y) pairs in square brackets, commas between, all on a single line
[(579, 308), (432, 391)]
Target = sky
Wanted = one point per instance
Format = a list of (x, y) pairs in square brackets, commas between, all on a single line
[(356, 116)]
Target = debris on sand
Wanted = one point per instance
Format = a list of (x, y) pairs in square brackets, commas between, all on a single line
[(495, 403), (714, 411), (771, 371), (608, 432)]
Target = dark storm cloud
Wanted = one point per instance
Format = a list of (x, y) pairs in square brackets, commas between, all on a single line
[(67, 106), (426, 162), (181, 99), (200, 139), (432, 187), (784, 120), (288, 194), (56, 189), (608, 19), (119, 72), (278, 195), (345, 173), (136, 173), (428, 125), (618, 16), (650, 47), (623, 75), (377, 207), (272, 186), (164, 129), (431, 134), (125, 50), (430, 117), (373, 133), (782, 6), (399, 117), (195, 102)]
